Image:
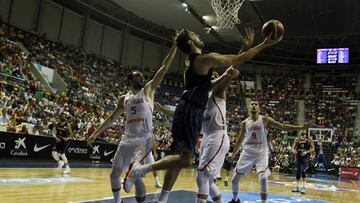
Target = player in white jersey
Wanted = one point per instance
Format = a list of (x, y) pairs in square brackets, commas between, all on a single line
[(215, 142), (136, 143), (255, 149)]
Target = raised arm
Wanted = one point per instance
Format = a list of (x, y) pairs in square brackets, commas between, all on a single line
[(163, 109), (216, 59), (238, 142), (159, 75), (109, 120), (220, 85), (269, 122)]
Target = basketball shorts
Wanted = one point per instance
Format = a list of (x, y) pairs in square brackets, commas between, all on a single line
[(61, 146), (213, 153), (130, 152), (246, 163), (186, 127), (302, 163)]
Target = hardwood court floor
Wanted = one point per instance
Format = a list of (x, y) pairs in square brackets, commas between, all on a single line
[(99, 187)]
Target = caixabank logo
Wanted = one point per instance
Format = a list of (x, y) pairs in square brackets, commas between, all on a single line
[(95, 153), (20, 147)]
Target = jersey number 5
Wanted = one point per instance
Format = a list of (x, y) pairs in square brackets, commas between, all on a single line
[(133, 110)]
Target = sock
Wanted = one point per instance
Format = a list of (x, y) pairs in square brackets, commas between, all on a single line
[(164, 195), (235, 196), (226, 178), (297, 183), (263, 201), (157, 180)]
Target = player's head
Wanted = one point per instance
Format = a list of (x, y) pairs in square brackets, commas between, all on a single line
[(187, 41), (254, 107), (214, 75), (136, 80), (302, 134)]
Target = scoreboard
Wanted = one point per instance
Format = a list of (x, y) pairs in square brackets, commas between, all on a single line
[(332, 55)]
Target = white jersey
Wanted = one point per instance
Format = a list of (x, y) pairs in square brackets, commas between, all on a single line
[(255, 141), (214, 118), (139, 114)]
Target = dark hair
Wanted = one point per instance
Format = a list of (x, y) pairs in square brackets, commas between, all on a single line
[(130, 76), (182, 41)]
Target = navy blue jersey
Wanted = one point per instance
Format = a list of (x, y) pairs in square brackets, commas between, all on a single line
[(302, 145), (62, 131), (197, 87)]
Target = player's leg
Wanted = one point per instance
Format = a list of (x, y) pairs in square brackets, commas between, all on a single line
[(298, 173), (116, 170), (203, 183), (64, 158), (169, 181), (56, 155), (140, 190), (305, 165), (215, 193), (243, 166), (263, 171), (149, 160)]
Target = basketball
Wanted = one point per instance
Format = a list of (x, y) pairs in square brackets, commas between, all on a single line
[(275, 27)]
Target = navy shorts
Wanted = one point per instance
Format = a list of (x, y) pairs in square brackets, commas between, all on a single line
[(186, 127), (302, 163), (61, 146)]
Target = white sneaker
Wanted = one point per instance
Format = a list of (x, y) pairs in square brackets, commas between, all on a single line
[(60, 165), (67, 169)]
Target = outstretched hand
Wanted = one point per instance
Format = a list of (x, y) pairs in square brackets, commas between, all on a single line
[(232, 72), (248, 38), (269, 41)]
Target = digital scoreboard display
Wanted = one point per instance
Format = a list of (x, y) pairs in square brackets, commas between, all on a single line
[(332, 55)]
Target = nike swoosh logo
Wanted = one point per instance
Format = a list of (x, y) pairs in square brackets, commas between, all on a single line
[(37, 149), (107, 153)]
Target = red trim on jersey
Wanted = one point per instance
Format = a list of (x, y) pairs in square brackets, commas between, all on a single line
[(222, 116), (217, 152)]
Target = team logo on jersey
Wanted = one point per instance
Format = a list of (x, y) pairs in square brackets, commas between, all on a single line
[(20, 148), (2, 145), (95, 152)]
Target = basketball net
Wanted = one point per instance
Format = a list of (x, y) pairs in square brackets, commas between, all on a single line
[(227, 12)]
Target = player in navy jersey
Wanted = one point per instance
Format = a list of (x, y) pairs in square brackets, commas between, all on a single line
[(302, 147), (190, 108)]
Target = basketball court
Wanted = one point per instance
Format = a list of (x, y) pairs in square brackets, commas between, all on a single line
[(136, 33), (82, 185)]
